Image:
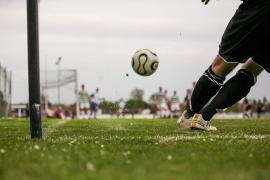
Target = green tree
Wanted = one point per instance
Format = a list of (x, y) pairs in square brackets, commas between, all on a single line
[(136, 103), (137, 94), (109, 107)]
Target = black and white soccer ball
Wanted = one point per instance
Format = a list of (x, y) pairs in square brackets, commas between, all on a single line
[(144, 62)]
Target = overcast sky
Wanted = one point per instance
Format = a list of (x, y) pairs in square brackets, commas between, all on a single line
[(99, 37)]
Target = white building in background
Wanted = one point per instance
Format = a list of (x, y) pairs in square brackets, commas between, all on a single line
[(19, 110)]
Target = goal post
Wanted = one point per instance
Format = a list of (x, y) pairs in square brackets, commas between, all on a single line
[(33, 69), (77, 95), (51, 81)]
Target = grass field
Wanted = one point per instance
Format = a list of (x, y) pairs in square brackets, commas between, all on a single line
[(135, 149)]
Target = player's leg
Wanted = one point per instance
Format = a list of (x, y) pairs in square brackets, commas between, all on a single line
[(209, 84), (91, 109), (174, 110), (95, 110), (82, 110), (247, 35), (85, 113), (233, 90), (206, 87)]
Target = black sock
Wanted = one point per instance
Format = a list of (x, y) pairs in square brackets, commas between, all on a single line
[(206, 87), (233, 90)]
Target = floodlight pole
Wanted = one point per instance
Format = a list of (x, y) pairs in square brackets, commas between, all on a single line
[(77, 95), (33, 69), (58, 78)]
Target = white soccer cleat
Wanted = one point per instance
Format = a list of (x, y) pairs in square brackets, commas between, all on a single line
[(184, 122), (200, 124)]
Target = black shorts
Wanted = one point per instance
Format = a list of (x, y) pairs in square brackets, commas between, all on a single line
[(248, 34)]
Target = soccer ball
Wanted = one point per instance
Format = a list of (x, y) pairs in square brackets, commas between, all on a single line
[(144, 62)]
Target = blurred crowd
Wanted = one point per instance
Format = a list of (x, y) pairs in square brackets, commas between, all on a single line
[(169, 106), (249, 107), (161, 104), (88, 103)]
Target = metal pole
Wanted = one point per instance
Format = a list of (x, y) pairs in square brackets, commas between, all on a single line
[(58, 78), (33, 69), (58, 83), (77, 95), (10, 93), (45, 88)]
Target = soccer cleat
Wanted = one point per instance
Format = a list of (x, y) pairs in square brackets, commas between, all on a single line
[(184, 122), (200, 124)]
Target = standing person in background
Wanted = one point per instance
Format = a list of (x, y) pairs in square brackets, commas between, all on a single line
[(161, 103), (188, 95), (84, 103), (167, 110), (259, 108), (247, 109), (186, 99), (94, 103), (122, 111), (175, 104), (154, 105)]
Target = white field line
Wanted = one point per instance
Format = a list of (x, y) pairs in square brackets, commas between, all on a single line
[(163, 139)]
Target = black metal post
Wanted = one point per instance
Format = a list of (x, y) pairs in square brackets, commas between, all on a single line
[(33, 69)]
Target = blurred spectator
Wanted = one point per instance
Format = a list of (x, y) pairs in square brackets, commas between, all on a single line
[(187, 97), (175, 104), (122, 111), (59, 113), (84, 103), (260, 108), (167, 112), (246, 108), (154, 105), (161, 103), (94, 103)]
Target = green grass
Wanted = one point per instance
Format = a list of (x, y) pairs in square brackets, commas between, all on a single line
[(135, 149)]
